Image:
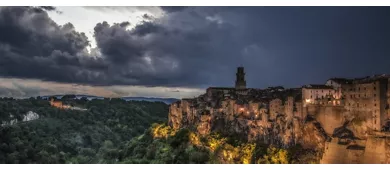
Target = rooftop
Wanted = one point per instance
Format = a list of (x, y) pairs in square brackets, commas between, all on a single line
[(342, 80), (317, 86)]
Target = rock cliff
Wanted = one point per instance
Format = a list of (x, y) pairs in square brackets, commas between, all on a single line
[(279, 120), (282, 131)]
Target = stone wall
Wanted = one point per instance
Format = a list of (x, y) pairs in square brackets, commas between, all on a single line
[(330, 117), (336, 153), (375, 152)]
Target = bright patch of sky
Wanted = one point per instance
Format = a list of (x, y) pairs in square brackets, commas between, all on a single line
[(84, 19)]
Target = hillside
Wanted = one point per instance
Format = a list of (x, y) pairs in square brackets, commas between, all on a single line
[(163, 145), (70, 136), (89, 97)]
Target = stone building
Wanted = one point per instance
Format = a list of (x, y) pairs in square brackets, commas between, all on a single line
[(368, 98), (336, 84), (228, 92), (240, 78), (312, 94), (58, 104)]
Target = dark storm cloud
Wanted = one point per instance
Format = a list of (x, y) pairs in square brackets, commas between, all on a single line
[(48, 8), (147, 17), (201, 46), (172, 8), (33, 46), (184, 49)]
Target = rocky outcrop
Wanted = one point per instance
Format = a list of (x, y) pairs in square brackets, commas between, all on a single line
[(313, 135), (29, 116), (204, 125)]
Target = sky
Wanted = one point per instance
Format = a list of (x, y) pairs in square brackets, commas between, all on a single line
[(180, 51)]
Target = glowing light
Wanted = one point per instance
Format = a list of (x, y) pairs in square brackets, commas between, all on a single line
[(242, 109), (308, 100), (162, 131)]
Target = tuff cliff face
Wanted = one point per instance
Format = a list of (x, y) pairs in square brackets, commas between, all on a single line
[(250, 123), (283, 123)]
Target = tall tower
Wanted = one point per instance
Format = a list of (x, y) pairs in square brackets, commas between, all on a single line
[(240, 78)]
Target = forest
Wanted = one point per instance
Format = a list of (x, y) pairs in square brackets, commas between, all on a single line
[(72, 136)]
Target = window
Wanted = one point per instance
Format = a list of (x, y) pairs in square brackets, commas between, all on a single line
[(359, 95), (357, 105), (349, 104), (364, 88), (351, 96), (374, 88), (311, 97), (359, 88), (374, 95), (375, 104)]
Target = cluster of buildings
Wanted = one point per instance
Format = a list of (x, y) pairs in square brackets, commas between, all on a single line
[(367, 97), (60, 105)]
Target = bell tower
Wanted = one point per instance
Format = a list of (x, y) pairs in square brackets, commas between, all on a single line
[(240, 78)]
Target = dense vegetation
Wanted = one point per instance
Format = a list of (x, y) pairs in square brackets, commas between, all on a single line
[(161, 144), (116, 131), (71, 136)]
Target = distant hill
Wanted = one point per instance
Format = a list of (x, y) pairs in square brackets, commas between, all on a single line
[(150, 99)]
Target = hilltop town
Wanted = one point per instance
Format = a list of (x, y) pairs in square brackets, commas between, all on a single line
[(346, 119)]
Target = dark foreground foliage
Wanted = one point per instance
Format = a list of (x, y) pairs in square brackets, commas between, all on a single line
[(70, 136)]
